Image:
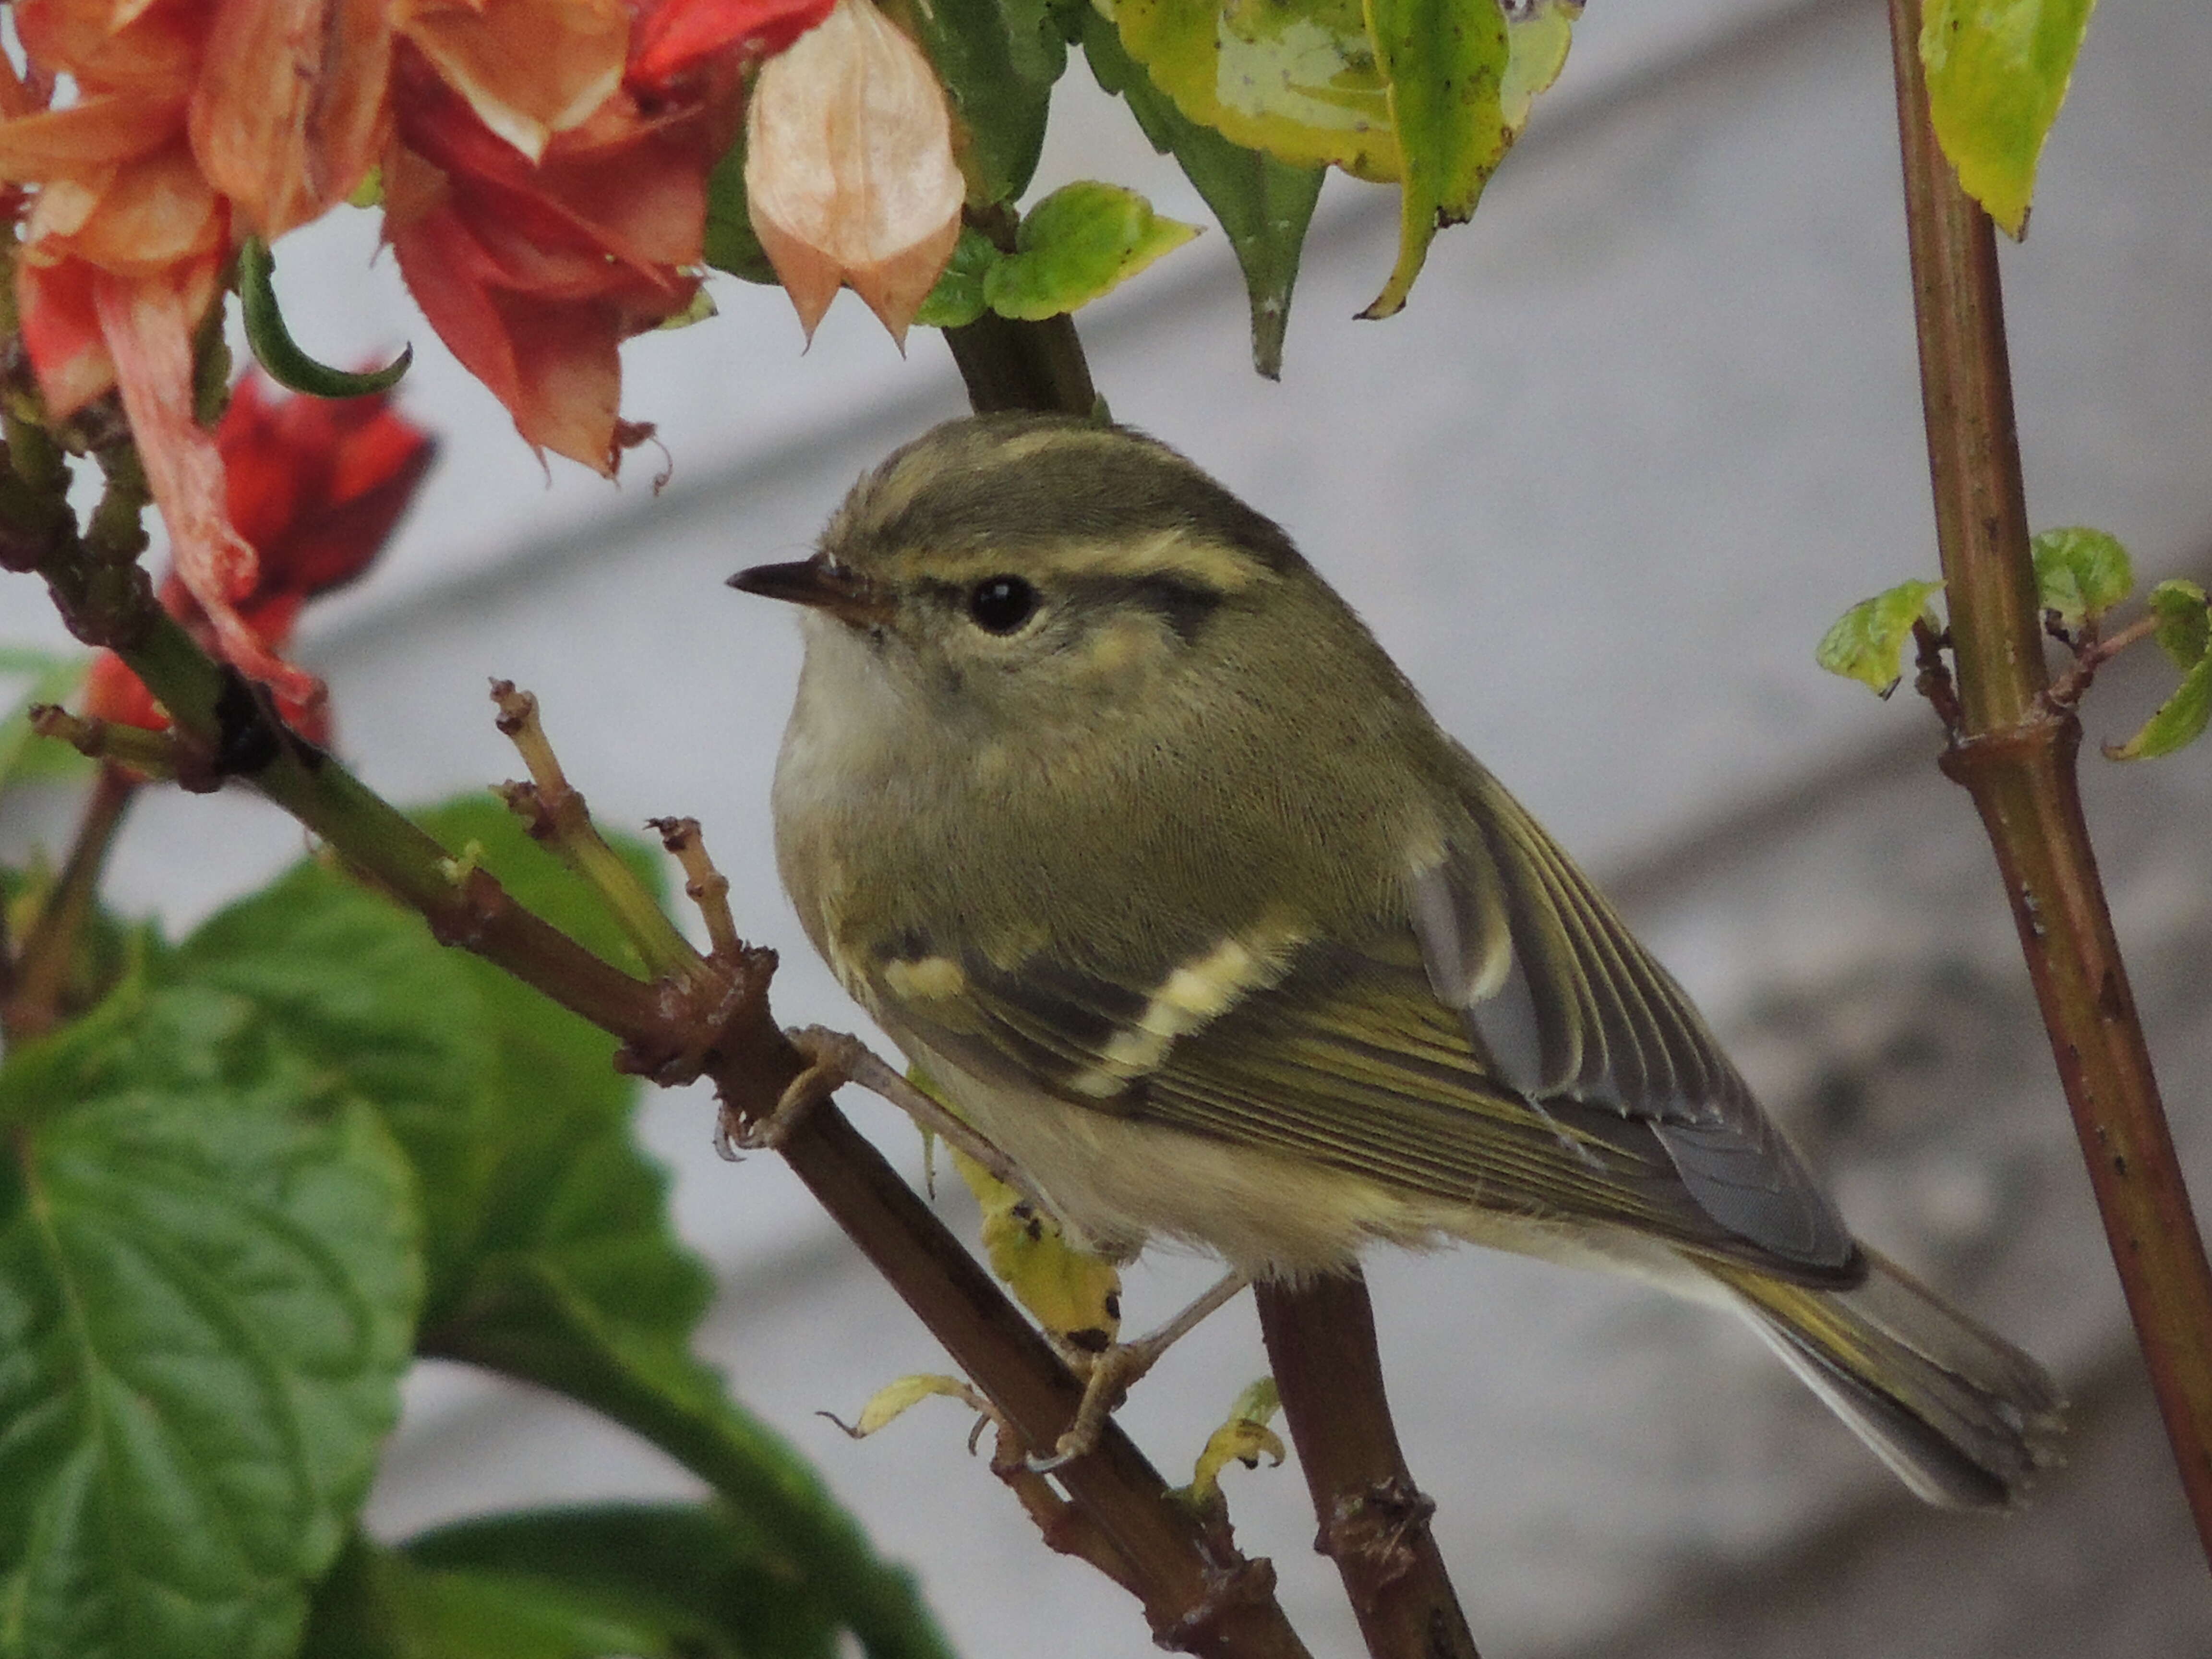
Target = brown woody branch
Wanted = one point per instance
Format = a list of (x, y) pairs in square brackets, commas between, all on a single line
[(1374, 1520), (2013, 749)]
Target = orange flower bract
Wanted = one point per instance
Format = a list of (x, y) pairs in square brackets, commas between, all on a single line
[(533, 274), (545, 165)]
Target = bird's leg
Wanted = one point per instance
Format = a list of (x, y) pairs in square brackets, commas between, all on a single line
[(1107, 1375)]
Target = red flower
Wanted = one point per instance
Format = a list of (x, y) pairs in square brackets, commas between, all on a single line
[(317, 488), (533, 274), (536, 238)]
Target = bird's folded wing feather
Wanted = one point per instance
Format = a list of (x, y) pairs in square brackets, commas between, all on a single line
[(1566, 1006), (1342, 1055)]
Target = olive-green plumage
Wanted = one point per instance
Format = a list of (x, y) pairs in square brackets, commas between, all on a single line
[(1120, 822)]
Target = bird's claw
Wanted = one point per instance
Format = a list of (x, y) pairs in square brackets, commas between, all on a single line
[(830, 1057)]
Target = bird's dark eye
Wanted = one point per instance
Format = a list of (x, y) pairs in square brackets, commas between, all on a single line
[(1000, 604)]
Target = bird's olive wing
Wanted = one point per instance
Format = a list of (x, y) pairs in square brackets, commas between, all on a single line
[(1567, 1007), (1327, 1052)]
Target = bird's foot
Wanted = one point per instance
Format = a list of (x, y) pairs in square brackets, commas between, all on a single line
[(832, 1058), (1108, 1374)]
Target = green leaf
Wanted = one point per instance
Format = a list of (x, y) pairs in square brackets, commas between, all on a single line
[(998, 60), (1445, 62), (1264, 206), (2184, 632), (361, 987), (275, 349), (1867, 641), (551, 1254), (2178, 606), (692, 1565), (1083, 240), (379, 1604), (2080, 573), (2179, 721), (1998, 72), (530, 1318), (1295, 78), (731, 245), (208, 1281), (53, 678), (957, 299)]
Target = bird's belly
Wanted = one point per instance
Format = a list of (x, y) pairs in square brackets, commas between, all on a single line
[(1118, 1182)]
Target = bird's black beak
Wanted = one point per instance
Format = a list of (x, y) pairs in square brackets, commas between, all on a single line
[(818, 583)]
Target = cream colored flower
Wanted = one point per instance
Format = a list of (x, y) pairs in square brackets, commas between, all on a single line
[(848, 168)]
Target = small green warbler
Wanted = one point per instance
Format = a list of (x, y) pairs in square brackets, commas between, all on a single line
[(1120, 823)]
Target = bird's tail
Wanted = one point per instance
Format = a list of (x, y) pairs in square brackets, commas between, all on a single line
[(1963, 1416)]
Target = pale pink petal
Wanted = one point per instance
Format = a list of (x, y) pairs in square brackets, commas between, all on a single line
[(849, 173), (149, 324)]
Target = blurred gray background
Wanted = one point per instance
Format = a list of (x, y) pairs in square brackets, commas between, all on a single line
[(1648, 426)]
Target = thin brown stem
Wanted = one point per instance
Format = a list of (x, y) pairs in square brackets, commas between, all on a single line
[(2093, 653), (1198, 1594), (1009, 365), (34, 1005), (560, 818), (703, 884), (2014, 752), (1374, 1520)]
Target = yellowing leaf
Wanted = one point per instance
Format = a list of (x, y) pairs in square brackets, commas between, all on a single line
[(894, 1398), (1075, 1295), (1998, 72), (1539, 31), (1867, 642), (1245, 1438), (2080, 573), (1295, 78), (850, 174), (1079, 242), (1462, 75)]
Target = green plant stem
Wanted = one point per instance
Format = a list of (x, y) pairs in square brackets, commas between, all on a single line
[(1200, 1597), (1374, 1521), (1319, 1333), (2015, 754), (1009, 365)]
